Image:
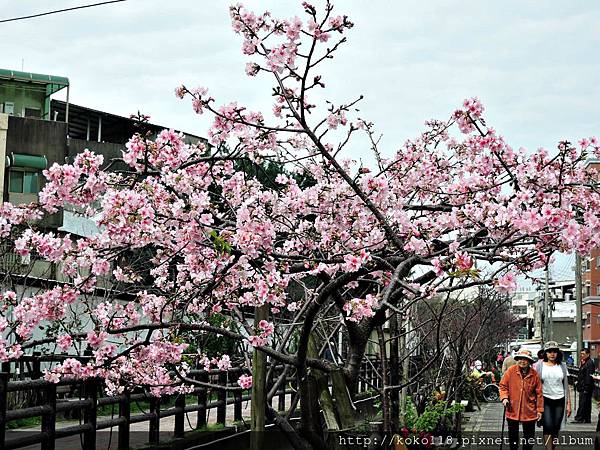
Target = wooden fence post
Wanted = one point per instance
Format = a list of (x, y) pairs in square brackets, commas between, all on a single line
[(49, 420), (180, 415), (154, 427), (3, 405), (124, 412), (237, 406), (91, 394), (202, 401), (281, 403), (258, 404), (36, 366), (222, 397), (36, 373)]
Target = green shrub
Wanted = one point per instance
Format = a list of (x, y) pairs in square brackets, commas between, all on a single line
[(436, 414)]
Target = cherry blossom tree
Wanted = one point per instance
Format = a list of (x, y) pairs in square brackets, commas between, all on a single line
[(184, 234)]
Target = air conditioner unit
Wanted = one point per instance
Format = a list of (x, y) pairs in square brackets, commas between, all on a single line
[(9, 108)]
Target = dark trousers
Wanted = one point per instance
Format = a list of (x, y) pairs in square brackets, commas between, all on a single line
[(597, 439), (584, 410), (554, 411), (528, 434)]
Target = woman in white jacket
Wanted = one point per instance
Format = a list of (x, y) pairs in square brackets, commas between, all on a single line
[(555, 388)]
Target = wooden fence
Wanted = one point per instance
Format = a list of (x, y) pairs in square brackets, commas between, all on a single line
[(83, 398), (86, 397)]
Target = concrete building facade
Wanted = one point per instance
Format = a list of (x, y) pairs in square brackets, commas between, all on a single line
[(37, 131)]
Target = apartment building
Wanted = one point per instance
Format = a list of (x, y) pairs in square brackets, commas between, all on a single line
[(37, 131)]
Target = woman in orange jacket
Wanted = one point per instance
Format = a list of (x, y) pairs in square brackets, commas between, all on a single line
[(521, 395)]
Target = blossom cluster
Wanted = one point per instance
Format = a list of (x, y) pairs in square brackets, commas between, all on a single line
[(266, 329), (269, 213), (358, 308)]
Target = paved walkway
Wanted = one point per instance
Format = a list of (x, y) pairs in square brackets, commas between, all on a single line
[(487, 423)]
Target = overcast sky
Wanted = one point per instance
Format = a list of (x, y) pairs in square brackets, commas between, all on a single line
[(534, 65)]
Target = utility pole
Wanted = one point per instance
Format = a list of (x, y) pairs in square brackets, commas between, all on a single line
[(578, 305), (537, 315)]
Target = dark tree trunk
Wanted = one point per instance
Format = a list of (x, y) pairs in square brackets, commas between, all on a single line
[(394, 394), (310, 427), (356, 353)]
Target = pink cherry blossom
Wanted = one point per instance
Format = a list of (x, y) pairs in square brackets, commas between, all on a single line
[(245, 381), (96, 339), (463, 261), (64, 341), (507, 283)]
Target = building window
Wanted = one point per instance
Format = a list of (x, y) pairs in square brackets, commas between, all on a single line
[(586, 264), (33, 112), (25, 177), (598, 319), (588, 290), (519, 310), (598, 261), (24, 181)]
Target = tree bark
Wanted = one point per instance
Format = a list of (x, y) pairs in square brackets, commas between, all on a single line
[(309, 405), (394, 395), (325, 399), (385, 405), (356, 354), (294, 438), (343, 401)]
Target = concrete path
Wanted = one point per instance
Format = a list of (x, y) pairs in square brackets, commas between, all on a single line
[(481, 427)]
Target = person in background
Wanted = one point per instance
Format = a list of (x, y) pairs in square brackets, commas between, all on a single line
[(496, 374), (570, 360), (555, 389), (585, 387), (499, 359), (478, 371), (521, 395), (540, 355), (597, 439), (328, 353), (509, 361)]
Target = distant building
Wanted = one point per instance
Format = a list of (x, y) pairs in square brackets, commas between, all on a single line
[(37, 131), (590, 320), (564, 328), (522, 307), (551, 320)]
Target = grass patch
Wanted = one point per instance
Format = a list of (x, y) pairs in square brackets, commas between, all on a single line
[(24, 423), (209, 427)]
